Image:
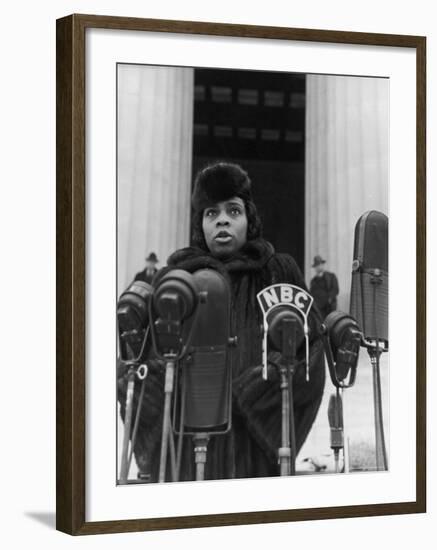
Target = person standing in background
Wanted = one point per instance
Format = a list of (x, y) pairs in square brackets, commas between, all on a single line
[(149, 271), (324, 287)]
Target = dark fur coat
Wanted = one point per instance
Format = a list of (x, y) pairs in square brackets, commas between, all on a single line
[(250, 448)]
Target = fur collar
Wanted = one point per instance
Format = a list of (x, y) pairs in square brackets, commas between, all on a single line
[(253, 256)]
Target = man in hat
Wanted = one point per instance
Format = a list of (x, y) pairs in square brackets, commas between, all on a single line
[(324, 287), (149, 271), (226, 236)]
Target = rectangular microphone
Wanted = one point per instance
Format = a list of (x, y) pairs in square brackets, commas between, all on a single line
[(207, 368), (369, 289)]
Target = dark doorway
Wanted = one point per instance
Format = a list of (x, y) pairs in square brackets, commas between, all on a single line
[(257, 119)]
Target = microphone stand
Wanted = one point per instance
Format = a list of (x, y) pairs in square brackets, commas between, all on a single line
[(345, 438), (124, 468), (170, 357), (287, 451), (200, 450), (374, 350), (167, 436), (380, 449), (135, 370)]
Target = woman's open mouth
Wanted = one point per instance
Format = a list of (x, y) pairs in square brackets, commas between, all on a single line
[(223, 237)]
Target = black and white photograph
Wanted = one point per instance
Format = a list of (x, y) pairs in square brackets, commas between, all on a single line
[(218, 223), (252, 274)]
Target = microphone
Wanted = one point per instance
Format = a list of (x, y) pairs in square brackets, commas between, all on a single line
[(174, 300), (344, 338), (369, 304), (369, 289), (133, 318), (277, 320), (285, 310), (133, 323), (284, 305), (206, 369)]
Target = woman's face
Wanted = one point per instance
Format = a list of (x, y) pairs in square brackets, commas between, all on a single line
[(225, 227)]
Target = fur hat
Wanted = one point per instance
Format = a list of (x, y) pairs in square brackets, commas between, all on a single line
[(219, 182)]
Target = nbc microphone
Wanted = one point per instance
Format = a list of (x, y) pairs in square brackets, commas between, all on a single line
[(285, 311)]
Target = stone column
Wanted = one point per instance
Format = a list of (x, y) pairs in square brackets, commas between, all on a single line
[(155, 128), (346, 166)]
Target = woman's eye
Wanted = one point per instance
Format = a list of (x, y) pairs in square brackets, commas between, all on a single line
[(210, 213), (235, 211)]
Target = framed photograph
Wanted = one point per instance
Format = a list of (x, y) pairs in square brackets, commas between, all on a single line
[(230, 202)]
